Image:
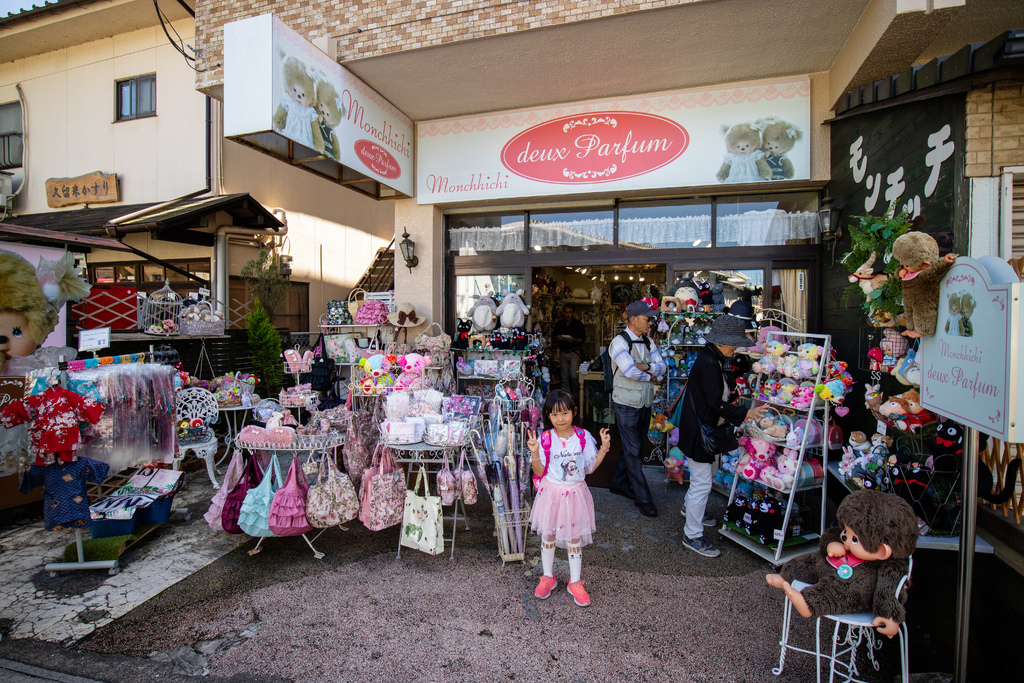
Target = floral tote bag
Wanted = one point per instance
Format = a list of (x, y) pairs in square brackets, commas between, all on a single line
[(436, 345), (332, 499), (422, 527), (383, 498), (446, 483)]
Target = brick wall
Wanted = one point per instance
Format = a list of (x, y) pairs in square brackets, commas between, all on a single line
[(995, 128), (370, 28)]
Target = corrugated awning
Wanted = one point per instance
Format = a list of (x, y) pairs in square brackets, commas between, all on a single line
[(70, 240)]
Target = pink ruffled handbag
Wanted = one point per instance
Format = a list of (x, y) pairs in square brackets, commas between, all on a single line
[(288, 511)]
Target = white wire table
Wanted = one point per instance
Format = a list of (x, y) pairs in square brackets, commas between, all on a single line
[(431, 457), (307, 445)]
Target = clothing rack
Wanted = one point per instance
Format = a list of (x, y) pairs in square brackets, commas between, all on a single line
[(64, 366), (113, 566)]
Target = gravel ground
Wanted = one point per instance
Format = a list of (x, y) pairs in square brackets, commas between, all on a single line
[(659, 612)]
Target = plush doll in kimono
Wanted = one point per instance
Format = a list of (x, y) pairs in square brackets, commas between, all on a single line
[(483, 313), (860, 563), (512, 312)]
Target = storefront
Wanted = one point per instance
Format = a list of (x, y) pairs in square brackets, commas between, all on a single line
[(606, 202)]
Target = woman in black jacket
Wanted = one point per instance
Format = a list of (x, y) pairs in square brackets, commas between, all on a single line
[(707, 405)]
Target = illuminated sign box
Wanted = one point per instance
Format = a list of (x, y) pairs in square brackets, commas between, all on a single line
[(285, 97)]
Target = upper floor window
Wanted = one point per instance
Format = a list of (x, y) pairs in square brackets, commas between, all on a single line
[(136, 97), (10, 135)]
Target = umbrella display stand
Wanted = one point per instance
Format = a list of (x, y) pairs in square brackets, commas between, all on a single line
[(511, 528)]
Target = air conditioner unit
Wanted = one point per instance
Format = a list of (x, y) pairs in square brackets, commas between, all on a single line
[(6, 189)]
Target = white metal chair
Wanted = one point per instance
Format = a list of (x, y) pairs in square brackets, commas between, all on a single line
[(192, 403), (844, 650)]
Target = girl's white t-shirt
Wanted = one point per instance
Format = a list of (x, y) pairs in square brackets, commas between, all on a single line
[(569, 463)]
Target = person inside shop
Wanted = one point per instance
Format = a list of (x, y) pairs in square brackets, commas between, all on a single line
[(637, 363), (706, 408), (570, 335)]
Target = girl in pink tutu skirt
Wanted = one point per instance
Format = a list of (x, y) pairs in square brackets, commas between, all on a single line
[(563, 511)]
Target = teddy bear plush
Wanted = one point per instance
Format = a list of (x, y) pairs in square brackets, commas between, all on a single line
[(859, 563), (412, 365), (483, 314), (778, 137), (921, 272), (512, 312), (744, 158), (967, 305)]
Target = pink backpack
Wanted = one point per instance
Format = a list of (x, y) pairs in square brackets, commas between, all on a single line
[(545, 444)]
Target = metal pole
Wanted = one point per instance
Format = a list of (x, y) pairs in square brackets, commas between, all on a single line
[(968, 528)]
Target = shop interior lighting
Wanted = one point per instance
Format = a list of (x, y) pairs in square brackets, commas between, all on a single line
[(616, 277)]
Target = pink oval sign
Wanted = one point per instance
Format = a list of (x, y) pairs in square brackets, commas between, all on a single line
[(377, 159), (595, 148)]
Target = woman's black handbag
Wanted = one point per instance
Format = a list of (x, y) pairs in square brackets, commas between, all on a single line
[(321, 370)]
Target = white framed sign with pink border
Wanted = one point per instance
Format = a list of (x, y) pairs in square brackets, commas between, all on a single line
[(744, 133), (971, 366)]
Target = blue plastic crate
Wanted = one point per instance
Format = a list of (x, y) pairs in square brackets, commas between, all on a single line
[(156, 513), (104, 528)]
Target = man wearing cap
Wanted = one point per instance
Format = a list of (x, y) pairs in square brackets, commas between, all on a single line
[(706, 406), (637, 363)]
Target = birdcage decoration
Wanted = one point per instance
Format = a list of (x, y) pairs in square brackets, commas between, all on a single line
[(160, 312)]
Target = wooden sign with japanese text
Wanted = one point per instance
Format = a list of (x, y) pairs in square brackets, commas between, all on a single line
[(970, 368), (95, 188)]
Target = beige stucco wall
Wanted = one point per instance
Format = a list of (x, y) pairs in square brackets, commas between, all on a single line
[(70, 96), (333, 232)]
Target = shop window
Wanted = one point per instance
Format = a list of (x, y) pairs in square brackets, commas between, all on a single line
[(469, 288), (124, 273), (789, 296), (103, 274), (136, 97), (572, 231), (684, 224), (472, 235), (758, 220), (10, 135), (152, 273)]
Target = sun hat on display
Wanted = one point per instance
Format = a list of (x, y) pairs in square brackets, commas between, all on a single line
[(742, 309), (405, 316), (727, 330), (640, 308)]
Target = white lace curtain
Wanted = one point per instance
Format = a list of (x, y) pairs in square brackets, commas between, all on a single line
[(753, 228)]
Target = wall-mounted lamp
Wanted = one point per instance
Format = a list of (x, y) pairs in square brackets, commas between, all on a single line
[(828, 221), (408, 248)]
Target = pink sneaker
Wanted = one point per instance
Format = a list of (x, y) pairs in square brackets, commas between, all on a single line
[(545, 586), (578, 594)]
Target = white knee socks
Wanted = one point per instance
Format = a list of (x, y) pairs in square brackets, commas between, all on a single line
[(575, 563), (547, 557)]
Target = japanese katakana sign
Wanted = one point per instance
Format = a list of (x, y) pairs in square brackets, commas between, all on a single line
[(95, 188)]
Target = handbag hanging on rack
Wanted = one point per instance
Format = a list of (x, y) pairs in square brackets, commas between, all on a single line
[(383, 495), (250, 479), (447, 485), (254, 517), (321, 369), (332, 499), (288, 510), (422, 527)]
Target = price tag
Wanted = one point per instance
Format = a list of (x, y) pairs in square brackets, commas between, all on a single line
[(779, 535), (881, 427), (94, 340), (203, 291)]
